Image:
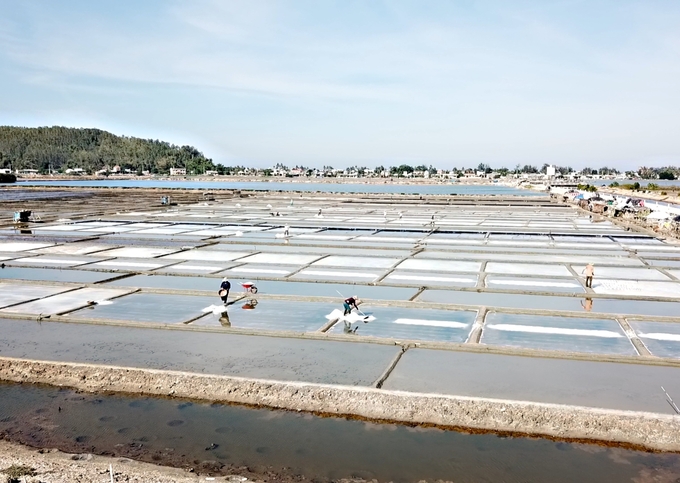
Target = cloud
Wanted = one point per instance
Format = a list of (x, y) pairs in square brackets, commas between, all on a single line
[(205, 46), (483, 81)]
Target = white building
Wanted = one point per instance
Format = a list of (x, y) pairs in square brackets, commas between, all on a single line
[(550, 171), (178, 172)]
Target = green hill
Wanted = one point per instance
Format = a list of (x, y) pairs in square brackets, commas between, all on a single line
[(59, 148)]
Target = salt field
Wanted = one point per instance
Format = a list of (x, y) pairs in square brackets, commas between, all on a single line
[(492, 288), (414, 258)]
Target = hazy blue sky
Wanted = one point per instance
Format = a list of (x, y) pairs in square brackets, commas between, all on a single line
[(447, 83)]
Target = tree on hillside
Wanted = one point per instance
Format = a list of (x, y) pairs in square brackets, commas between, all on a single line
[(55, 149)]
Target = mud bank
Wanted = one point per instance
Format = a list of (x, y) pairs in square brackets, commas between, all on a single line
[(632, 429), (57, 467), (54, 466)]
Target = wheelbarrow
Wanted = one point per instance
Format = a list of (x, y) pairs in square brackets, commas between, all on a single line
[(249, 287)]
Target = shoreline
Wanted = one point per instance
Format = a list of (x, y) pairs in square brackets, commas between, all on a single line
[(651, 195), (271, 179), (61, 466)]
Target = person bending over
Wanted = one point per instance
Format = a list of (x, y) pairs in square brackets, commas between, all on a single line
[(350, 303)]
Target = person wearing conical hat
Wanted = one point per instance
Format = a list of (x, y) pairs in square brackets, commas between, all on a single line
[(223, 292)]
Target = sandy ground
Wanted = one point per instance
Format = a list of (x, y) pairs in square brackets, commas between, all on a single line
[(53, 466), (669, 197)]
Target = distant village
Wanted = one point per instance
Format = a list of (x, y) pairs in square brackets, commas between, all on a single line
[(481, 172)]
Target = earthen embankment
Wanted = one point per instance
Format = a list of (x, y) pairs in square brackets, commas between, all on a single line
[(627, 428)]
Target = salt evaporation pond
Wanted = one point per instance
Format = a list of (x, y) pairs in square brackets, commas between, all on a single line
[(223, 439)]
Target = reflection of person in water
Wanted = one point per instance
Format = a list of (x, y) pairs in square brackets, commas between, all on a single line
[(347, 329), (587, 304), (250, 304), (224, 319)]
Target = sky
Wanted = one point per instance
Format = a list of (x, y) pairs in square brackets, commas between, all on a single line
[(317, 82)]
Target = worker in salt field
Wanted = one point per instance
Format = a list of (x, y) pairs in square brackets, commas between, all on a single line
[(350, 304), (286, 231), (589, 272), (225, 286)]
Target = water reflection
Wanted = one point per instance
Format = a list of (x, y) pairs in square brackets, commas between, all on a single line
[(347, 328), (224, 319), (587, 304), (250, 304)]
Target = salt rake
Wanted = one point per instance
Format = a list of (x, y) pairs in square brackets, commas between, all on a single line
[(670, 401)]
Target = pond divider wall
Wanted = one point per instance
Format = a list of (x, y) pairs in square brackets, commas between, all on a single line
[(641, 430)]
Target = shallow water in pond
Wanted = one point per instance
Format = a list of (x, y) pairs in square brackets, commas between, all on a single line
[(441, 189), (226, 439), (54, 275)]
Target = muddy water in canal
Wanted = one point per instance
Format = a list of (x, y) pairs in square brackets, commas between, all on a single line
[(287, 445)]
